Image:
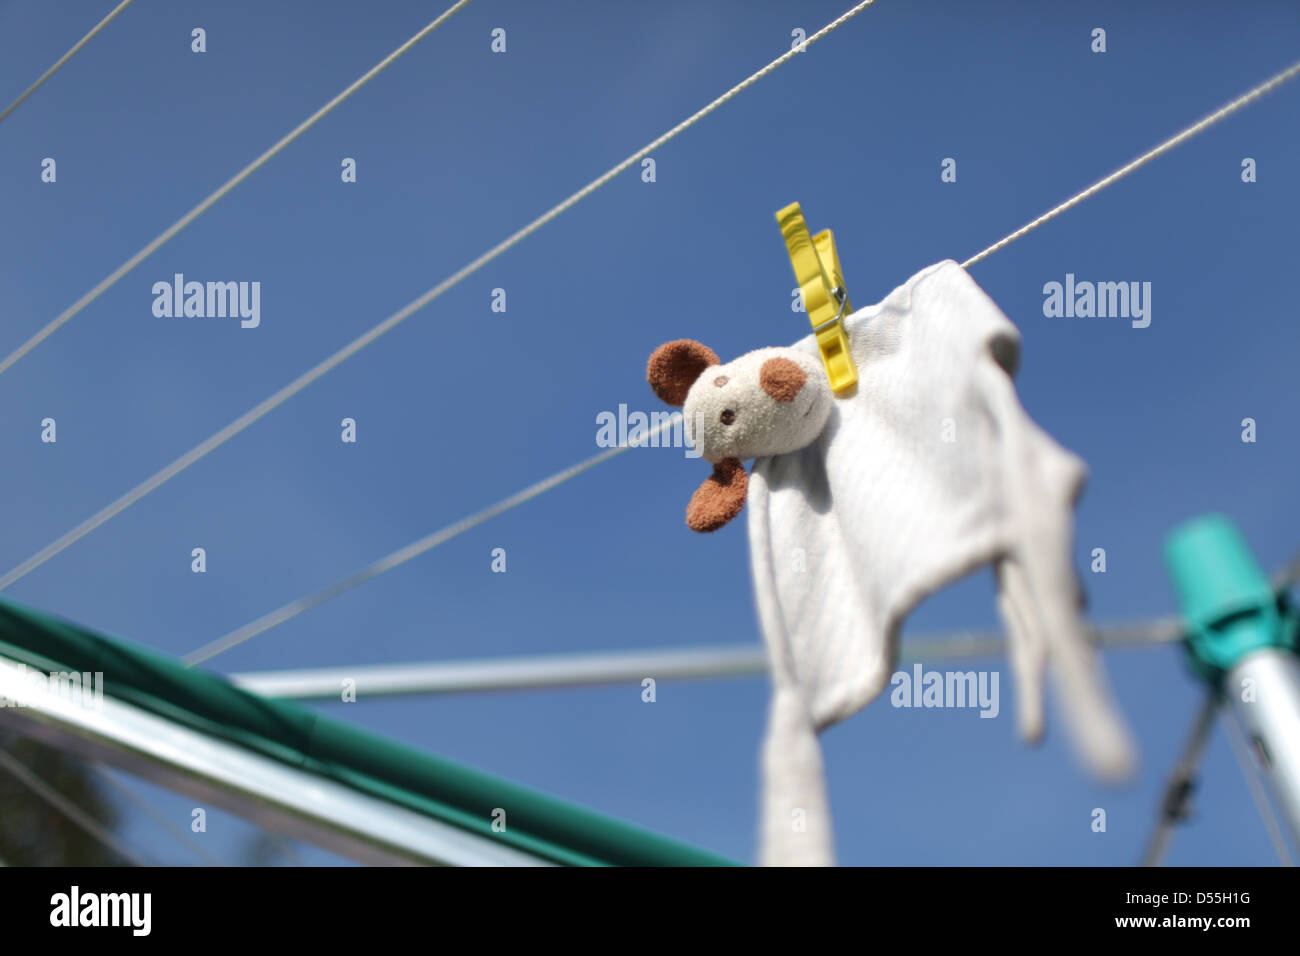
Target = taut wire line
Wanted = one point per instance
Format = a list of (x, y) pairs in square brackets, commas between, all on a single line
[(58, 64), (295, 608), (1176, 140), (157, 243), (355, 346)]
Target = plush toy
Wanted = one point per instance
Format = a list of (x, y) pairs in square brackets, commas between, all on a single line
[(863, 504), (767, 402)]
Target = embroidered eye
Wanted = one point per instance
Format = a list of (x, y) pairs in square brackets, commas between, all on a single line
[(720, 381), (727, 417)]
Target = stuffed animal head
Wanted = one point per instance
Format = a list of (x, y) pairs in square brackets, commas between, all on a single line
[(767, 402)]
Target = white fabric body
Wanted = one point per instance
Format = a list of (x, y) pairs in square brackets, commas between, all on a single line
[(930, 469)]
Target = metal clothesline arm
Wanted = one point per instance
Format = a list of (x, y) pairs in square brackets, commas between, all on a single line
[(575, 670)]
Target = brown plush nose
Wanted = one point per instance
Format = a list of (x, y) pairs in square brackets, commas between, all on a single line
[(781, 378)]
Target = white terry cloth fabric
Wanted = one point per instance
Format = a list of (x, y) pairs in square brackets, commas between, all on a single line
[(929, 469)]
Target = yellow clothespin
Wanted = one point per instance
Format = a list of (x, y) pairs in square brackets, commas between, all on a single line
[(817, 270)]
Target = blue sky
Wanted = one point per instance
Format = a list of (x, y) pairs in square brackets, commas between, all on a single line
[(456, 148)]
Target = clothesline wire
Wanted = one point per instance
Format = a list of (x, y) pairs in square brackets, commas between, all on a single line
[(1176, 140), (65, 806), (294, 608), (402, 555), (162, 238), (143, 805), (58, 64), (352, 348), (451, 531)]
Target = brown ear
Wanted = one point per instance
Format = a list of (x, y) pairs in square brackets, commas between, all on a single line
[(720, 498), (674, 367)]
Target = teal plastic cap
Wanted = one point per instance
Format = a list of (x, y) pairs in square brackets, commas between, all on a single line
[(1227, 603), (1214, 570)]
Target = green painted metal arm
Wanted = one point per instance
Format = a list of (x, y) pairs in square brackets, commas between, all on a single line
[(539, 824)]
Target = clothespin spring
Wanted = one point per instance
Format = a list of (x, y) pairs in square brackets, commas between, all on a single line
[(842, 298)]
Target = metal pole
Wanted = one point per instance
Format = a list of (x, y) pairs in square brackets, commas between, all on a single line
[(614, 667), (1265, 690), (1243, 637), (271, 793)]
